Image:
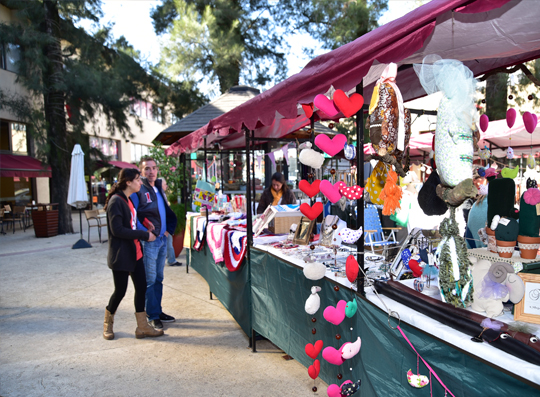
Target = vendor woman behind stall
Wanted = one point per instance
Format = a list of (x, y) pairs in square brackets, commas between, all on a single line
[(277, 193)]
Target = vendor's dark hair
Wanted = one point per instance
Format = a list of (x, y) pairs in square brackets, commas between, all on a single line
[(278, 177), (126, 175)]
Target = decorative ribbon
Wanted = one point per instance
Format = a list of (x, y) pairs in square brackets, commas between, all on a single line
[(389, 76), (272, 158), (424, 361)]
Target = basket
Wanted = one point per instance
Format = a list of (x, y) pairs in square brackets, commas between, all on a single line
[(282, 224)]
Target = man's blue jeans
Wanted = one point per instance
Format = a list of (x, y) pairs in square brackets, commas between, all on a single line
[(154, 263), (171, 258)]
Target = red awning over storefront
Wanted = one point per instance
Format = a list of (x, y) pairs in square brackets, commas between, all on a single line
[(12, 165), (122, 164)]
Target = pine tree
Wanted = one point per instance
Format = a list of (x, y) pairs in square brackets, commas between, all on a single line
[(63, 66)]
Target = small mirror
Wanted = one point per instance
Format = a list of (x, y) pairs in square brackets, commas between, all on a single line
[(303, 231)]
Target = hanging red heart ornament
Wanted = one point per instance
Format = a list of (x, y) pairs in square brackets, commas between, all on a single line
[(351, 268), (311, 189), (308, 109), (313, 350), (349, 106), (314, 369), (311, 212), (352, 192)]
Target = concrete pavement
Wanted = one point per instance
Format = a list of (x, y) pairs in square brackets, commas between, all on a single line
[(52, 302)]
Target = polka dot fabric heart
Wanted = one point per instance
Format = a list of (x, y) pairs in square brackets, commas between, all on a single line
[(350, 236), (352, 192)]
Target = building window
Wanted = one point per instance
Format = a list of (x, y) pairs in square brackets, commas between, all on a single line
[(18, 138), (138, 151), (13, 138), (10, 54), (145, 110), (108, 147)]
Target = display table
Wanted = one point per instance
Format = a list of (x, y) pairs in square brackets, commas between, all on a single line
[(274, 290)]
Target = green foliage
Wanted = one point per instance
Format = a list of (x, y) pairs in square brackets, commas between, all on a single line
[(507, 232), (525, 86), (529, 221), (170, 170), (180, 211), (229, 40)]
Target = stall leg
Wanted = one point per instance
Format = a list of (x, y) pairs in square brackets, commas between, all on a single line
[(253, 341), (211, 296)]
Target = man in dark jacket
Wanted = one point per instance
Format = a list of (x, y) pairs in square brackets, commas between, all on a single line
[(155, 215)]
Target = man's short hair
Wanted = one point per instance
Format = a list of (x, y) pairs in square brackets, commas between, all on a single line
[(145, 159)]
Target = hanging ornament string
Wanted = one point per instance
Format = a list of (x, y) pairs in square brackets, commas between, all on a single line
[(431, 371), (396, 315)]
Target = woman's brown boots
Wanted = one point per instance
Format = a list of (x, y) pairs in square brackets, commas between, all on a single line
[(143, 328), (108, 325)]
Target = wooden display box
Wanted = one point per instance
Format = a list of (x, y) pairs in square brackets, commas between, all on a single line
[(282, 223), (45, 219)]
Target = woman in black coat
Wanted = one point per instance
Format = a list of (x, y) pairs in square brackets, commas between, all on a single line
[(277, 193), (125, 252)]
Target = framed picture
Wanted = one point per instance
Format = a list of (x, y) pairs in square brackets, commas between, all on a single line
[(528, 309), (303, 231)]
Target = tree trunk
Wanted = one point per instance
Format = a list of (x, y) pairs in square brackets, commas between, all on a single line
[(57, 137), (496, 96)]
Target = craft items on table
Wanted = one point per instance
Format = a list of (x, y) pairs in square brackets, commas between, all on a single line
[(455, 115), (310, 157), (389, 122), (331, 146), (235, 249), (216, 240), (506, 235), (503, 191), (529, 221)]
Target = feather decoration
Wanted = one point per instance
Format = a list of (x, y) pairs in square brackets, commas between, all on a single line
[(492, 324), (520, 326)]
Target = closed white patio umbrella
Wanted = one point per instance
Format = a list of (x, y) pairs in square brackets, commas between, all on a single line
[(77, 194)]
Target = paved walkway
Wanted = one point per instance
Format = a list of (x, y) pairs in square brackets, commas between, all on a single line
[(52, 302)]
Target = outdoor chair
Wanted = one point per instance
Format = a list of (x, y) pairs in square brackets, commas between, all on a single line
[(7, 217), (3, 220), (94, 220), (374, 232), (19, 214)]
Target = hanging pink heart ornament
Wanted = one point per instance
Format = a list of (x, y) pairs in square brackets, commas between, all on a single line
[(332, 192), (530, 121), (331, 146), (326, 105)]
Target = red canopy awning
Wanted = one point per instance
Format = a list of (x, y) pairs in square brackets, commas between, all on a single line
[(12, 165), (122, 164), (483, 34)]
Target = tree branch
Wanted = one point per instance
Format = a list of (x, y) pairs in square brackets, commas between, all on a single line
[(511, 70)]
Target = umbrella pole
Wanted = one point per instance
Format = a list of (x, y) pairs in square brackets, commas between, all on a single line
[(82, 243)]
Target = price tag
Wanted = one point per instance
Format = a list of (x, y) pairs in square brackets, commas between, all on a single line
[(538, 209), (506, 221)]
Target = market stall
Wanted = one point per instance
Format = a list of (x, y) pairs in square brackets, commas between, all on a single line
[(273, 289)]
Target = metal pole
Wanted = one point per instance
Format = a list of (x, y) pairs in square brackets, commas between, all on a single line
[(360, 182), (249, 231), (253, 170)]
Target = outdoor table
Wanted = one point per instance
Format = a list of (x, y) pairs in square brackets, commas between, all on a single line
[(268, 296)]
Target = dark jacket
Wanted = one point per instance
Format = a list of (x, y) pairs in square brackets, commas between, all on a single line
[(149, 208), (122, 251), (267, 199)]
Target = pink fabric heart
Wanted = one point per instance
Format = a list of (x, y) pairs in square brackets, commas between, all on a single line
[(529, 120), (510, 117), (331, 146), (332, 355), (335, 390), (484, 122), (330, 191), (335, 315), (326, 105)]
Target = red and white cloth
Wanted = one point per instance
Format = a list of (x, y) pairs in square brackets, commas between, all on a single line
[(216, 238), (235, 249)]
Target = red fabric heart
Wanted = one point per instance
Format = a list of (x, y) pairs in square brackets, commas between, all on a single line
[(331, 146), (311, 189), (348, 105), (326, 105), (313, 351), (415, 267), (308, 110), (314, 369), (311, 212), (351, 268), (352, 192)]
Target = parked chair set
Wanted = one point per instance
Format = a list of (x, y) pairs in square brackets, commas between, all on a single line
[(9, 217)]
